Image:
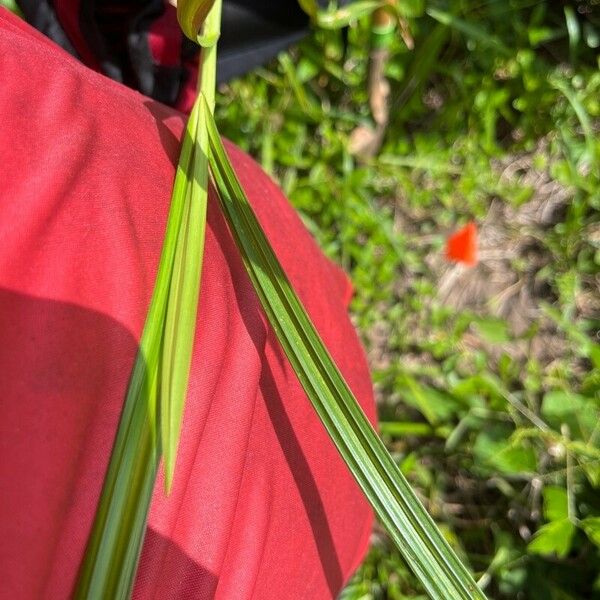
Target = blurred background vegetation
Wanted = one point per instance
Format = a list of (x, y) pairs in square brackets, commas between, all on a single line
[(487, 379)]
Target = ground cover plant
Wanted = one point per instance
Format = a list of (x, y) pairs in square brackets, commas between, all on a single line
[(487, 378)]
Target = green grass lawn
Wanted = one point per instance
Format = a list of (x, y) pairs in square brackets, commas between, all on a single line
[(487, 378)]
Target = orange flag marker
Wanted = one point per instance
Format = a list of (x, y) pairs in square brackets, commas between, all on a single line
[(462, 245)]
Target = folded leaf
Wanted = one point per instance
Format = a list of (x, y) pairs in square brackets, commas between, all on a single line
[(191, 14), (110, 560)]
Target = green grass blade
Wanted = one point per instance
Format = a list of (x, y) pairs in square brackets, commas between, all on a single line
[(423, 64), (475, 32), (412, 529), (574, 32), (180, 323), (158, 384), (110, 561)]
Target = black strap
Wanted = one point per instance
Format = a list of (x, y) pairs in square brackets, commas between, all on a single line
[(116, 31), (42, 16)]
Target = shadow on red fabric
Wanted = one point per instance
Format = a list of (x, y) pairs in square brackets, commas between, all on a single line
[(262, 505)]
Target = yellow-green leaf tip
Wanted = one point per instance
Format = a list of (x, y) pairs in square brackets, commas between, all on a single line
[(191, 15)]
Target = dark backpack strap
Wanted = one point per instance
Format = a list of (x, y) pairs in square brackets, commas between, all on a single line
[(117, 34), (41, 15)]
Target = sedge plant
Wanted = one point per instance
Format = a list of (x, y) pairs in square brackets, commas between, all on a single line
[(151, 420)]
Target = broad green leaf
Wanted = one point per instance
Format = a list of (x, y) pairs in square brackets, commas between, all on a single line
[(485, 384), (580, 413), (434, 405), (493, 450), (558, 404), (592, 472), (553, 538), (591, 526), (556, 504), (412, 529), (493, 330), (306, 69)]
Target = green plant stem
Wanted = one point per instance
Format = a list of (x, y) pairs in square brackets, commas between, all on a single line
[(207, 84)]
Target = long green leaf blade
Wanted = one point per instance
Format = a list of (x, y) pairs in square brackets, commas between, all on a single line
[(110, 561), (158, 384), (471, 30), (180, 326), (180, 323), (412, 529)]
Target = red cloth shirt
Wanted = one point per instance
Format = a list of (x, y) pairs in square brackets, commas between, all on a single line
[(262, 505)]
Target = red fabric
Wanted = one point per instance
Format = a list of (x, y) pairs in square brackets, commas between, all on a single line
[(165, 38), (462, 245), (262, 505)]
